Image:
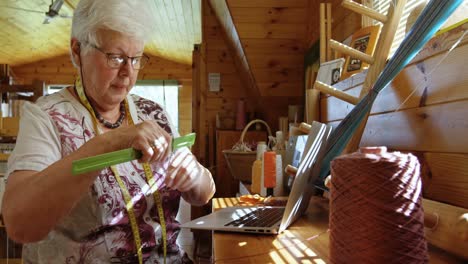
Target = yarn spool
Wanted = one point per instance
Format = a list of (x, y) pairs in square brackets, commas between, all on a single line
[(376, 213)]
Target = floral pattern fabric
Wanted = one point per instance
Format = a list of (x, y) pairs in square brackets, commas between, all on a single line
[(98, 228)]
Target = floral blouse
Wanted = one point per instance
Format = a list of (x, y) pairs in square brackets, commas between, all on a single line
[(98, 229)]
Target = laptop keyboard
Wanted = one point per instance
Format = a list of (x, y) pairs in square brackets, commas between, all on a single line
[(262, 217)]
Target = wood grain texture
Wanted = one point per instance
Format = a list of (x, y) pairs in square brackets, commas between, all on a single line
[(448, 178), (450, 233), (179, 28), (306, 241), (424, 83), (423, 110)]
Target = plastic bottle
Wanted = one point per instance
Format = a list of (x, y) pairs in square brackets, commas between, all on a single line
[(280, 149), (257, 168)]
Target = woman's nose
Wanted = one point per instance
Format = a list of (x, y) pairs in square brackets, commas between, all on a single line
[(126, 67)]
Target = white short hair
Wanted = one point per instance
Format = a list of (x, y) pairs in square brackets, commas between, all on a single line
[(132, 18)]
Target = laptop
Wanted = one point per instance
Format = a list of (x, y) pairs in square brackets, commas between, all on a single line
[(261, 219)]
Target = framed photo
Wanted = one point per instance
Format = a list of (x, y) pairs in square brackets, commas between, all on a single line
[(330, 71), (365, 41)]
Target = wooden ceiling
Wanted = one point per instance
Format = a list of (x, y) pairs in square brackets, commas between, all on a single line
[(25, 39)]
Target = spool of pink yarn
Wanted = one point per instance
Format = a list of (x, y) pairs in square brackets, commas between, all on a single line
[(376, 213)]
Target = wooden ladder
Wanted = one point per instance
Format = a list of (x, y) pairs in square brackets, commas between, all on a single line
[(376, 61)]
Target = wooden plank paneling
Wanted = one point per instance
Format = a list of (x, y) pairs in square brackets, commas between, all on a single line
[(221, 68), (241, 62), (448, 178), (267, 3), (436, 128), (178, 29), (273, 31), (219, 56), (274, 15), (415, 86), (275, 61), (281, 88), (231, 79), (273, 46), (279, 75)]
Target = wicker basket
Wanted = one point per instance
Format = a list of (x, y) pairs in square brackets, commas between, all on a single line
[(240, 162)]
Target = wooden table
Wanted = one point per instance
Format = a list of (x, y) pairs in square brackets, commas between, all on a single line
[(305, 241), (302, 240)]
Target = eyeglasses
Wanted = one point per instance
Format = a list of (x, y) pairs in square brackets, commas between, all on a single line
[(115, 61)]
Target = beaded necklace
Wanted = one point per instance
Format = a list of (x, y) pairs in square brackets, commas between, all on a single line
[(109, 124), (101, 119)]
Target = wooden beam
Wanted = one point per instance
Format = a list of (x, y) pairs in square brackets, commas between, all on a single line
[(325, 88), (223, 15), (364, 10), (329, 29), (448, 227), (323, 35), (351, 52)]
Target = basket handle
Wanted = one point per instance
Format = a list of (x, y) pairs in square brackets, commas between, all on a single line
[(251, 123)]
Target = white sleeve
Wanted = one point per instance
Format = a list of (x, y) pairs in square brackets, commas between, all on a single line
[(38, 143)]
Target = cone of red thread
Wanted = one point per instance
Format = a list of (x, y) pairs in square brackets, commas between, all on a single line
[(376, 212)]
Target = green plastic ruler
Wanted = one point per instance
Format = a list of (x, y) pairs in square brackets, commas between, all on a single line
[(116, 157)]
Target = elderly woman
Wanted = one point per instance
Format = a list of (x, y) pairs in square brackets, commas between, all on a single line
[(113, 215)]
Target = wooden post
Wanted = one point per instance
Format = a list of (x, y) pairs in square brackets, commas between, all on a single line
[(323, 51), (329, 27), (39, 89)]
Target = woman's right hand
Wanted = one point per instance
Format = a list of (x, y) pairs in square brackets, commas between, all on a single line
[(148, 137)]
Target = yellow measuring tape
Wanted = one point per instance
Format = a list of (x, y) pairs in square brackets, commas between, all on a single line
[(125, 193)]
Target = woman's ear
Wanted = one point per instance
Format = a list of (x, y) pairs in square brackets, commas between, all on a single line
[(76, 49)]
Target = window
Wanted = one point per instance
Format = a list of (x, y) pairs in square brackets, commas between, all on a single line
[(53, 88), (165, 93), (382, 6)]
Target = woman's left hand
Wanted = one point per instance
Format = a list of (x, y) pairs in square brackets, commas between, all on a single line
[(184, 171)]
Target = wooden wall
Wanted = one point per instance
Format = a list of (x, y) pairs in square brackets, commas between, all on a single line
[(423, 111), (272, 34), (60, 70), (275, 36)]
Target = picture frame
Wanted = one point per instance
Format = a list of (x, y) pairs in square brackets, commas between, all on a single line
[(364, 40), (330, 71)]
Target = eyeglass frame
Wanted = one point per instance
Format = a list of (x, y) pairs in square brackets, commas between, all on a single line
[(121, 56)]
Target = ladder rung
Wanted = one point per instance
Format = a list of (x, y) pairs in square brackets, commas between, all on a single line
[(351, 52), (325, 88), (364, 10), (304, 127)]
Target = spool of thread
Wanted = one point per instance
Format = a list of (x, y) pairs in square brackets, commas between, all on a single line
[(269, 171), (376, 213)]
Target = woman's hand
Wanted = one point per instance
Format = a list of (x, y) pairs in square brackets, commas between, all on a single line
[(184, 171), (148, 137)]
